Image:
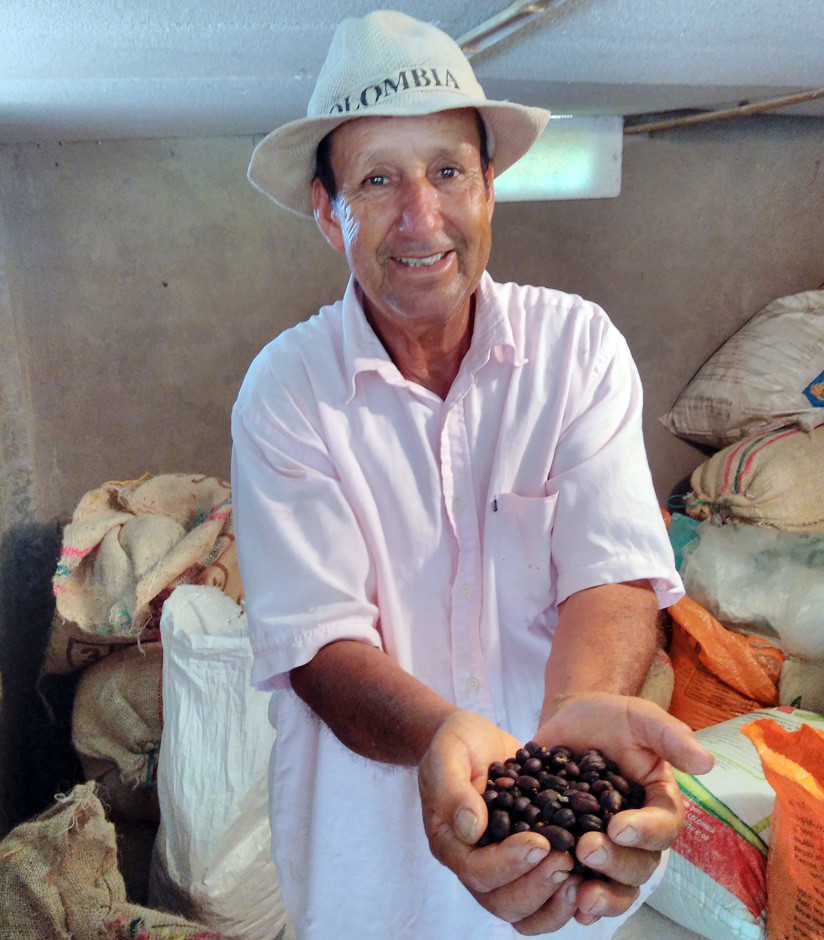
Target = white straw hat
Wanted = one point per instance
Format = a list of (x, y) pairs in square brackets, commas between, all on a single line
[(385, 63)]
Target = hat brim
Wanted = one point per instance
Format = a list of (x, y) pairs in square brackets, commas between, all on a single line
[(283, 163)]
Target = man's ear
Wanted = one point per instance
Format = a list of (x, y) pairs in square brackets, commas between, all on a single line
[(490, 189), (326, 217)]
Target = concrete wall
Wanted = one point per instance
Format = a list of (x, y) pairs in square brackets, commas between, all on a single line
[(138, 279)]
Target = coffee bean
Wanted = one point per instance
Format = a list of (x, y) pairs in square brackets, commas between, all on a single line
[(611, 801), (519, 804), (499, 825), (552, 782), (564, 817), (562, 840), (531, 814), (592, 761), (527, 784), (505, 799), (546, 797), (570, 771), (583, 803), (589, 822), (618, 782), (533, 766)]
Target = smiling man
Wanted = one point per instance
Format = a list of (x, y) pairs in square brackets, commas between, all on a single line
[(446, 527)]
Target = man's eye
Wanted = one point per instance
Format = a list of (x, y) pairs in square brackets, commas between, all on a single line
[(375, 180), (449, 172)]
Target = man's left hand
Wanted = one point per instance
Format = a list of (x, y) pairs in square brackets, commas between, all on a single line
[(645, 741)]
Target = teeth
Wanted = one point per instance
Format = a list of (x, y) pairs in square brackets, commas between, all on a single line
[(421, 262)]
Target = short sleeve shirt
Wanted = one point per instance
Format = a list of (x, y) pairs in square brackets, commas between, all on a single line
[(445, 532)]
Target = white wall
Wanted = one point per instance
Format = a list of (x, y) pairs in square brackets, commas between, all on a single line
[(142, 276)]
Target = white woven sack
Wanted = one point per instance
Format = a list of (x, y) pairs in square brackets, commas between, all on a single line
[(212, 856), (769, 374)]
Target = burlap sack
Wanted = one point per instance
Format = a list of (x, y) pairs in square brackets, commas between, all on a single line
[(58, 873), (127, 547), (117, 722), (137, 923), (660, 681), (774, 479), (59, 879)]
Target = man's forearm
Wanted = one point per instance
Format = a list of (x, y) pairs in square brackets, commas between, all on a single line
[(605, 642), (372, 705)]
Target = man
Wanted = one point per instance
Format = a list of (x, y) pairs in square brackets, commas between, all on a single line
[(447, 531)]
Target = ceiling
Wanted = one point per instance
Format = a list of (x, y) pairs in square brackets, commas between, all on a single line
[(97, 69)]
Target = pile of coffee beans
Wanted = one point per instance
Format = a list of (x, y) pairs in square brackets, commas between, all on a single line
[(556, 792)]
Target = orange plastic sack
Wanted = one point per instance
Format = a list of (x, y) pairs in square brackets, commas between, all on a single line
[(793, 763), (719, 674)]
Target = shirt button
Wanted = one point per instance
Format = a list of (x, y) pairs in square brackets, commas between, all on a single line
[(466, 589), (458, 505), (473, 684)]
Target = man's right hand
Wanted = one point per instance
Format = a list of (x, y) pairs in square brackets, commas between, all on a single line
[(521, 880)]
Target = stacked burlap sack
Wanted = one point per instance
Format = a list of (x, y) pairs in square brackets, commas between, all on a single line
[(165, 721), (127, 547), (756, 561), (748, 639)]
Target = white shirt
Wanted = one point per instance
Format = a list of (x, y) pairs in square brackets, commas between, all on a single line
[(445, 532)]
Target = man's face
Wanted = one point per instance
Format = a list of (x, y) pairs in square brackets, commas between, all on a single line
[(412, 213)]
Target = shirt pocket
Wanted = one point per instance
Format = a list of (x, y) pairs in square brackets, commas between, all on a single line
[(521, 529)]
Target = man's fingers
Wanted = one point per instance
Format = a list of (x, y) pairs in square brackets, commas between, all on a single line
[(670, 738), (526, 894), (637, 732), (603, 899), (485, 870), (626, 866), (553, 913)]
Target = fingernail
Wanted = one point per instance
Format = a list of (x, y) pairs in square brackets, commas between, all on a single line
[(597, 857), (560, 876), (536, 855), (626, 836), (571, 894), (597, 907), (466, 823)]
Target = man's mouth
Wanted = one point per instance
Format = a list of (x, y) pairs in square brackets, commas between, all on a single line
[(421, 262)]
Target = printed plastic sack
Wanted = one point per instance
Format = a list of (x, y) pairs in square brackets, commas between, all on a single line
[(793, 763), (716, 880), (212, 856), (718, 673)]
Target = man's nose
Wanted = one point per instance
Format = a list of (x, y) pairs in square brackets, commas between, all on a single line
[(420, 207)]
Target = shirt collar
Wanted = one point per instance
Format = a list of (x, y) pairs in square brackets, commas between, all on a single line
[(364, 352)]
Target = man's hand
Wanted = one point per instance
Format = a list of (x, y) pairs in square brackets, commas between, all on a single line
[(520, 880), (644, 740)]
